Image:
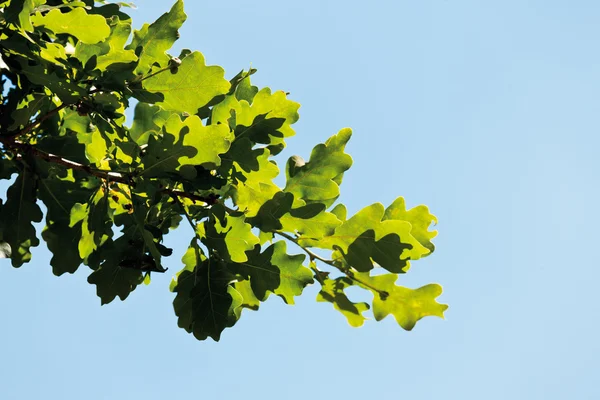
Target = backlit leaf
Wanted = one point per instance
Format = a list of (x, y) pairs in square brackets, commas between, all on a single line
[(406, 305), (152, 41), (274, 271), (188, 88), (77, 22), (366, 238), (315, 180), (419, 218), (332, 291)]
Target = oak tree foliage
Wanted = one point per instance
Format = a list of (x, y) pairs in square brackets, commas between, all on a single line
[(201, 151)]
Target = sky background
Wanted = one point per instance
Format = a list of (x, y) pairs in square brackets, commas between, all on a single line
[(486, 111)]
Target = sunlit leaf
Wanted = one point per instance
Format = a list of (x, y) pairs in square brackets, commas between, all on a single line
[(77, 22), (188, 88), (406, 305), (153, 40)]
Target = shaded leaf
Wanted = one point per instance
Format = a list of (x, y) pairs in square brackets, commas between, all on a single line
[(111, 278), (419, 218), (332, 291), (19, 12), (96, 222), (274, 271), (17, 216), (365, 238), (206, 303), (231, 237), (152, 41), (185, 143), (59, 196)]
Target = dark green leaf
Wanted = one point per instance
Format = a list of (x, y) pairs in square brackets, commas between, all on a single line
[(206, 303), (17, 216)]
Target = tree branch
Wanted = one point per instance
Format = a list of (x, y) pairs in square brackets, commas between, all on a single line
[(111, 176), (103, 174)]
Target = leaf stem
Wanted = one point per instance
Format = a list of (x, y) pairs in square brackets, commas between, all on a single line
[(110, 176), (149, 75), (345, 270), (37, 122), (191, 196), (307, 251), (175, 196)]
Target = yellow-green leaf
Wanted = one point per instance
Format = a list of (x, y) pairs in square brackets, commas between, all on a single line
[(77, 22), (406, 305), (190, 87)]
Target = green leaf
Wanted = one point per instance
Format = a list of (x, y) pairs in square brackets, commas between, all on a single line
[(332, 291), (96, 222), (144, 122), (54, 53), (366, 238), (315, 180), (96, 149), (310, 221), (340, 212), (149, 234), (77, 22), (17, 216), (274, 271), (249, 299), (268, 217), (185, 143), (231, 237), (257, 187), (406, 305), (206, 303), (19, 12), (273, 106), (112, 279), (152, 41), (419, 218), (28, 108), (66, 90), (245, 90), (59, 196), (208, 141), (110, 51), (189, 88)]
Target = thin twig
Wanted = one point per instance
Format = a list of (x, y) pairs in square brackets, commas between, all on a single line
[(191, 196), (175, 196), (307, 251), (103, 174), (38, 121), (346, 271)]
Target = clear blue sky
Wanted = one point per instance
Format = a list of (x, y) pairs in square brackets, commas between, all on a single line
[(488, 112)]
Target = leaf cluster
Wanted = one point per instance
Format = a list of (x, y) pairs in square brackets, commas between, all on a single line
[(200, 151)]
